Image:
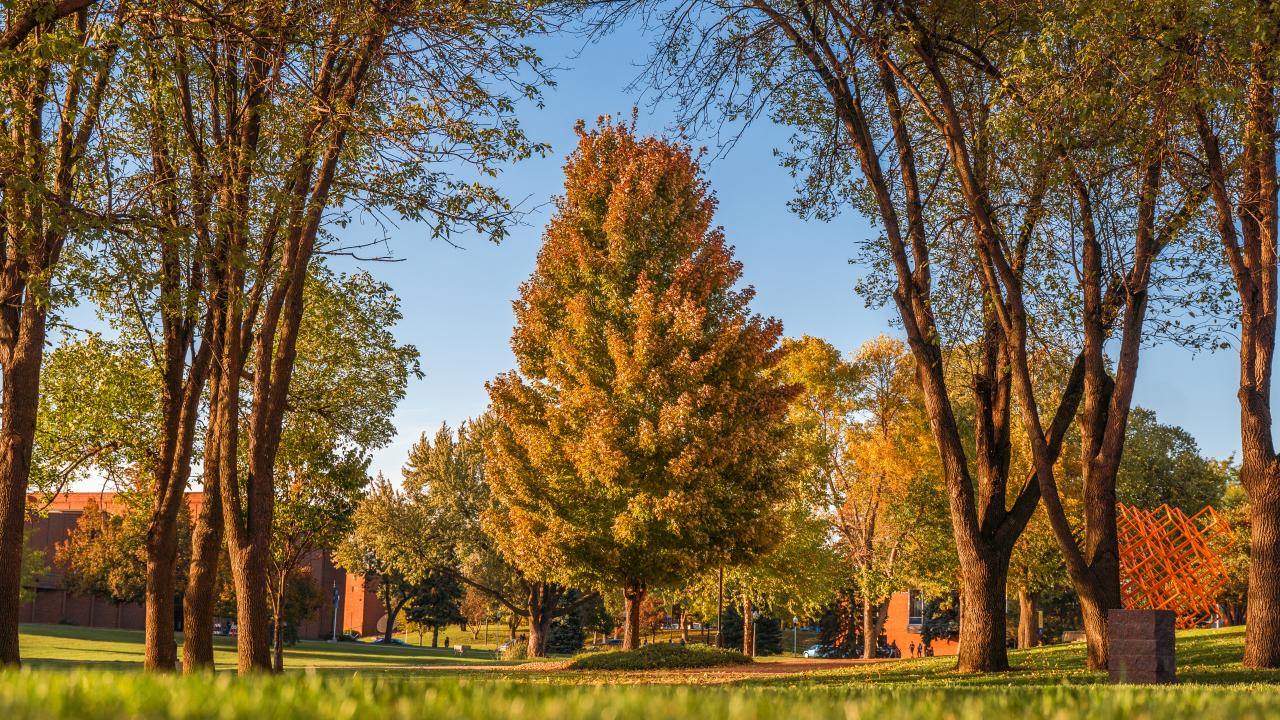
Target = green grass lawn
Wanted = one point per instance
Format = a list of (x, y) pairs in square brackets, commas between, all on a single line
[(73, 672), (45, 646)]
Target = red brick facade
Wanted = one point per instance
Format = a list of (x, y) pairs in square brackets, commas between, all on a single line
[(903, 627), (358, 608)]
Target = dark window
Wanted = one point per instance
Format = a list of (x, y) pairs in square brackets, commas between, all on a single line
[(915, 608)]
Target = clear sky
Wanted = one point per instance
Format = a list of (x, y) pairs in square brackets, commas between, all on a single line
[(457, 302)]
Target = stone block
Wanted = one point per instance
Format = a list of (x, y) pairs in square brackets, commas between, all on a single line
[(1140, 646)]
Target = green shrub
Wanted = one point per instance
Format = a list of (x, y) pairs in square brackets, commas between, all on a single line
[(566, 636), (658, 657), (515, 651)]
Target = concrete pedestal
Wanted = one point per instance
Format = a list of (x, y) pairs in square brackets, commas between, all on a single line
[(1140, 646)]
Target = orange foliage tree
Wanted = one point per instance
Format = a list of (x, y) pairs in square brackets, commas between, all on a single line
[(643, 436)]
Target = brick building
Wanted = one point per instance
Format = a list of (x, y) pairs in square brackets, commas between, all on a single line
[(358, 607), (906, 616)]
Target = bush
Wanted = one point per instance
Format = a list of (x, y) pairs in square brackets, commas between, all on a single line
[(566, 636), (659, 656), (768, 635), (516, 651)]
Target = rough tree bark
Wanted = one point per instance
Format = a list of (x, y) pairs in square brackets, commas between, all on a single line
[(873, 617), (748, 625), (633, 593), (1108, 293), (202, 579), (33, 230), (542, 601), (985, 526), (206, 547), (1028, 619), (1247, 216)]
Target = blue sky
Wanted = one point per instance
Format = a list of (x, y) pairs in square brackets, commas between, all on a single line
[(457, 302)]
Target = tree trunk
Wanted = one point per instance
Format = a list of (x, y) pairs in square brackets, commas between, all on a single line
[(160, 647), (253, 618), (748, 624), (1028, 619), (20, 385), (435, 636), (684, 626), (1262, 608), (873, 619), (540, 603), (870, 630), (982, 619), (202, 580), (632, 595), (277, 660)]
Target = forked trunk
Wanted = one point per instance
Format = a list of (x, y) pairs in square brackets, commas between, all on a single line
[(540, 606), (632, 595), (1028, 619), (873, 617), (684, 627)]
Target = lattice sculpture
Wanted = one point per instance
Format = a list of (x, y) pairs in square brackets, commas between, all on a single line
[(1169, 561)]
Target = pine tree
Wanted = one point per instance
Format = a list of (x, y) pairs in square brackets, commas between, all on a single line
[(643, 435)]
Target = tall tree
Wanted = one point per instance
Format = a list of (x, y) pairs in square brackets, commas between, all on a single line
[(448, 483), (435, 602), (868, 443), (315, 505), (368, 105), (56, 67), (1234, 111), (951, 117), (641, 435)]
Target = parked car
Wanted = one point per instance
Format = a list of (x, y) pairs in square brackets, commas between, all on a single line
[(820, 651), (613, 642), (393, 641), (508, 645)]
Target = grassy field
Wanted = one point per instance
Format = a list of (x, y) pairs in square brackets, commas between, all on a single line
[(53, 646), (75, 673)]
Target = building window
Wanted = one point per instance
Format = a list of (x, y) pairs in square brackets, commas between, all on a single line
[(915, 609)]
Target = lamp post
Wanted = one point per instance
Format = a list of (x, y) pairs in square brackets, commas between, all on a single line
[(795, 635), (755, 622), (720, 609), (336, 598)]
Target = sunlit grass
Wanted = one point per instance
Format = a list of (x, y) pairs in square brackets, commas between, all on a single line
[(73, 673)]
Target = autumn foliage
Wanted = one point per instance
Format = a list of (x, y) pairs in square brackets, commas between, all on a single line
[(642, 437)]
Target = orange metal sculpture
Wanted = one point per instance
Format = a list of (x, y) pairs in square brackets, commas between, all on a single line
[(1169, 561)]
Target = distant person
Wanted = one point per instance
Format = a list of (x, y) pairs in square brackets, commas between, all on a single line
[(911, 648), (446, 642)]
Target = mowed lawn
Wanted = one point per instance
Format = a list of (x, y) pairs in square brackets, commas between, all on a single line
[(53, 646), (76, 673)]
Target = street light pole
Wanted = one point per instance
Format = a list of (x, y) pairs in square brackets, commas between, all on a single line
[(336, 598), (755, 622), (720, 610), (795, 635)]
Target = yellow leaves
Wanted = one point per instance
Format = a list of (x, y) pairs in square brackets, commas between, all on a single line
[(646, 434)]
